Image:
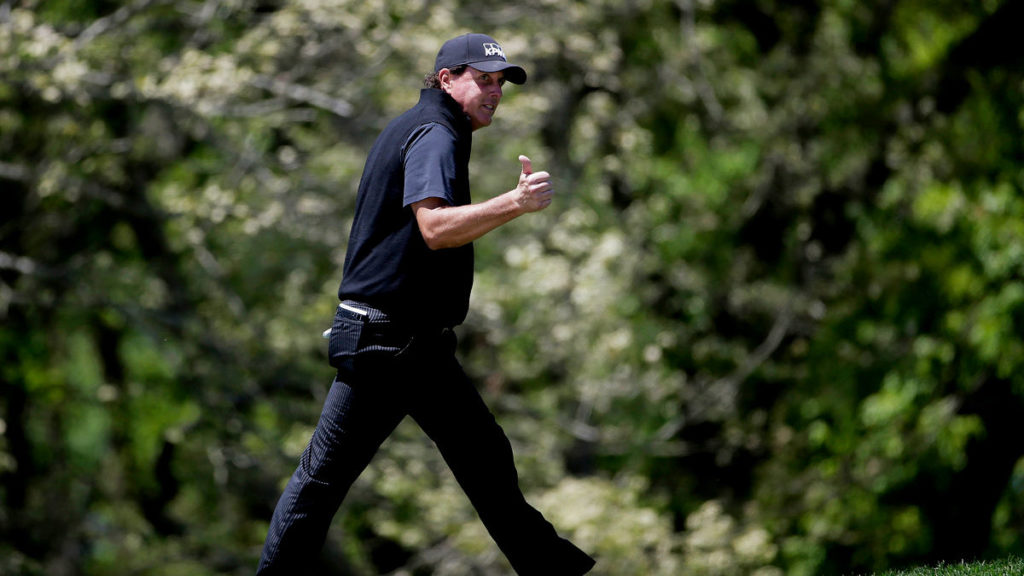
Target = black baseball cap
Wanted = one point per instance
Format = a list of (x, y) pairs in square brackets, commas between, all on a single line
[(481, 52)]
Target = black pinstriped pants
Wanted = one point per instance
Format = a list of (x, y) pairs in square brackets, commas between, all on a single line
[(387, 378)]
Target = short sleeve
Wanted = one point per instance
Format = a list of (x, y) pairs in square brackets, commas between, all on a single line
[(429, 157)]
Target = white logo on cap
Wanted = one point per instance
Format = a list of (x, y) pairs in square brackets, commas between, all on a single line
[(492, 49)]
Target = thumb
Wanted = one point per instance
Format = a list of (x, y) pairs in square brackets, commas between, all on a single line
[(527, 165)]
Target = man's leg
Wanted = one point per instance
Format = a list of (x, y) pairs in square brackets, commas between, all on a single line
[(353, 424), (478, 452)]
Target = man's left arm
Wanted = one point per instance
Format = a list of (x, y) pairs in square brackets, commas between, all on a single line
[(445, 226)]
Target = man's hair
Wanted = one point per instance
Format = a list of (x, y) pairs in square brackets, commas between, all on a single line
[(432, 81)]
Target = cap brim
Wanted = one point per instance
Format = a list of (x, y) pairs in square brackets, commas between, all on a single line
[(513, 73)]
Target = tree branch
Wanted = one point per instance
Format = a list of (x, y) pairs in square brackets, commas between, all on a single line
[(704, 88), (106, 23), (724, 390), (16, 172), (304, 94)]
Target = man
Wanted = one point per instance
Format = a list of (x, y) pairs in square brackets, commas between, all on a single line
[(406, 283)]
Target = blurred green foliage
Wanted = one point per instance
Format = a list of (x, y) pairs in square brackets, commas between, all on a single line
[(772, 324)]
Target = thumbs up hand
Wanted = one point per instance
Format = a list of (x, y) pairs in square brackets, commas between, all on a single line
[(534, 191)]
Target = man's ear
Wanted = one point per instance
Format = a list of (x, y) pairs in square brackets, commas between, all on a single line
[(444, 77)]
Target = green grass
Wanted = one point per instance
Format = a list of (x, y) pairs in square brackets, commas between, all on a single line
[(1011, 567)]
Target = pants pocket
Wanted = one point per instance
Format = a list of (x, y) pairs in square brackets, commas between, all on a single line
[(344, 342)]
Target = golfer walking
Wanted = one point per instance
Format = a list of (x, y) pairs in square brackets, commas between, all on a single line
[(406, 283)]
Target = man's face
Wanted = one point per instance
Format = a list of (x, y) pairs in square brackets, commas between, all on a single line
[(477, 92)]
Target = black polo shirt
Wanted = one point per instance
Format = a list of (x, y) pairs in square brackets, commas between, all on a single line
[(421, 154)]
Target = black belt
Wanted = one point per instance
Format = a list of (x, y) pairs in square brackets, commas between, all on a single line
[(352, 314), (379, 322)]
